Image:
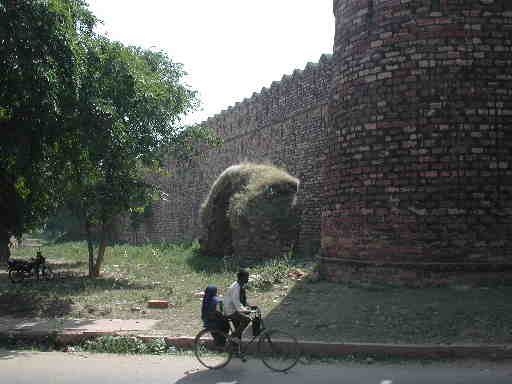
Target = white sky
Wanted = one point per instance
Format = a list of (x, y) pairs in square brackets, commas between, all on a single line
[(230, 48)]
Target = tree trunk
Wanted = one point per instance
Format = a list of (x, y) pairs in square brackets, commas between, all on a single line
[(101, 250), (5, 251), (100, 258), (90, 246)]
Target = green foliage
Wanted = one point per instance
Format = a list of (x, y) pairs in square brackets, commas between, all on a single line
[(130, 101), (258, 181), (243, 195), (4, 114), (249, 203), (128, 345), (191, 142), (273, 272), (63, 225), (83, 118), (139, 214), (39, 44)]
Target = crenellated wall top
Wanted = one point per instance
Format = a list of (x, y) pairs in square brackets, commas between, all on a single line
[(293, 93)]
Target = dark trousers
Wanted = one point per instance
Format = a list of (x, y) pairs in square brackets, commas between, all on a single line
[(240, 321), (218, 324)]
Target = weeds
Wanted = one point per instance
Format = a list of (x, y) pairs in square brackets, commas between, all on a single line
[(131, 276), (273, 272), (355, 311), (128, 345)]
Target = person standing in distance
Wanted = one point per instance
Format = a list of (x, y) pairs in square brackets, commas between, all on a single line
[(235, 304)]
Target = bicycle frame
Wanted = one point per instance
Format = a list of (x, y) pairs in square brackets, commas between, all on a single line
[(243, 349), (272, 353)]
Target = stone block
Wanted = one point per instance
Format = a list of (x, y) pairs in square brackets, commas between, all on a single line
[(161, 304)]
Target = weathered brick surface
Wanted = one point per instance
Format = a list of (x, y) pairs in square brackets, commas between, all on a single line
[(418, 167), (284, 124), (402, 140)]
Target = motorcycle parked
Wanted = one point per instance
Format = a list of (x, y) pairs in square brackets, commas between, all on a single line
[(35, 267)]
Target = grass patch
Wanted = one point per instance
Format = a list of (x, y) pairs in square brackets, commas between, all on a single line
[(310, 309), (128, 345), (131, 276)]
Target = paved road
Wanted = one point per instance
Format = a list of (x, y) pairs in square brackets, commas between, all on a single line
[(78, 368)]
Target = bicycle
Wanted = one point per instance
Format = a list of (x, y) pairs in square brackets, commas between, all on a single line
[(21, 269), (278, 350)]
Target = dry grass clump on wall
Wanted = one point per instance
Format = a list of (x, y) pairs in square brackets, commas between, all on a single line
[(243, 195)]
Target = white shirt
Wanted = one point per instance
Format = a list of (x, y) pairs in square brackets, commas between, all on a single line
[(232, 300)]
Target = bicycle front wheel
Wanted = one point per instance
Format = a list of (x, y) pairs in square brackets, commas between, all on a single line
[(278, 350), (213, 348)]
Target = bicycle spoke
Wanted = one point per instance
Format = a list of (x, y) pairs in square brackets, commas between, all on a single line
[(213, 348), (278, 350)]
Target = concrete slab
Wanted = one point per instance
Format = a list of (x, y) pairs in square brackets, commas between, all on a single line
[(9, 324), (74, 331)]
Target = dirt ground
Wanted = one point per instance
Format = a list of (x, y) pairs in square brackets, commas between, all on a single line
[(310, 309), (320, 311)]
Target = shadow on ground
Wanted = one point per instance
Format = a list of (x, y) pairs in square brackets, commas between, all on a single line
[(202, 263), (18, 335), (69, 264), (7, 353), (42, 298), (378, 313), (235, 372)]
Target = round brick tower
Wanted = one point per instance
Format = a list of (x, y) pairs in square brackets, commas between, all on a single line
[(417, 174)]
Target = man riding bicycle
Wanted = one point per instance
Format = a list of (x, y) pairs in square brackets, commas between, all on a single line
[(235, 304), (214, 347)]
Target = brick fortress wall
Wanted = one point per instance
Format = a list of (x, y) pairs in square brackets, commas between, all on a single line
[(418, 170), (284, 124), (402, 142)]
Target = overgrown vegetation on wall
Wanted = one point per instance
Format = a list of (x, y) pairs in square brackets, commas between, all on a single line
[(284, 124), (244, 203)]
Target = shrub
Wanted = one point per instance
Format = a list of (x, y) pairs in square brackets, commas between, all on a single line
[(245, 197), (270, 273), (127, 344)]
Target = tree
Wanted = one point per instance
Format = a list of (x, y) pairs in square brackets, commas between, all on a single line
[(38, 47), (130, 104), (82, 119)]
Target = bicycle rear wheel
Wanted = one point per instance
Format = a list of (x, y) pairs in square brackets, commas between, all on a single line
[(213, 348), (278, 350)]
